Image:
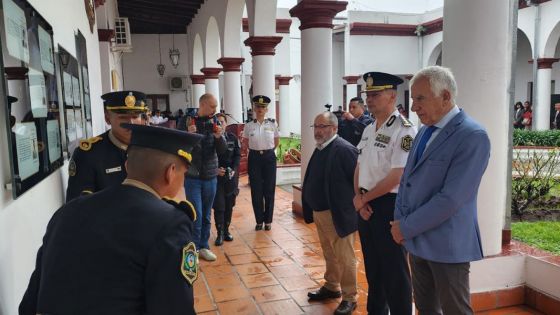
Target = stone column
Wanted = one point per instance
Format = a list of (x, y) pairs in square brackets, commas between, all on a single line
[(284, 117), (541, 113), (212, 84), (483, 71), (263, 50), (316, 64), (412, 116), (198, 88), (232, 87), (351, 88)]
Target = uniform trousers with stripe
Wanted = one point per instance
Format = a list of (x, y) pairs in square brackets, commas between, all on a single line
[(262, 178)]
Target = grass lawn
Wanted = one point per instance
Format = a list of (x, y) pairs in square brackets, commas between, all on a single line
[(542, 234)]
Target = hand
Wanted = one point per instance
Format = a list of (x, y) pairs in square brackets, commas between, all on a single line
[(366, 212), (217, 131), (192, 128), (221, 171), (232, 173), (347, 116), (396, 232), (358, 201)]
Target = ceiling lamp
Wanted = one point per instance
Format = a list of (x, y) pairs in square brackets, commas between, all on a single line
[(174, 55), (160, 67)]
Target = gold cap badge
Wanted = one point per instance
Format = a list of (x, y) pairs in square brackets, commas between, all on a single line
[(130, 100)]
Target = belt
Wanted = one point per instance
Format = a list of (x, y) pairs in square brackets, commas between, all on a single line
[(261, 152)]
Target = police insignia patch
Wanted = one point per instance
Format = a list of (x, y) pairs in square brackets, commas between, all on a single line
[(130, 100), (189, 263), (406, 143), (72, 168)]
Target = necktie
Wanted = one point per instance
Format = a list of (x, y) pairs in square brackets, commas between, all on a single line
[(423, 141)]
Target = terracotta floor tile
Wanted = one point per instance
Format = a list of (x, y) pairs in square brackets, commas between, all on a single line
[(320, 309), (280, 308), (229, 293), (244, 306), (217, 271), (310, 261), (515, 310), (299, 252), (237, 249), (297, 283), (277, 261), (313, 238), (225, 281), (301, 297), (552, 259), (199, 286), (271, 293), (269, 251), (261, 243), (316, 273), (292, 243), (291, 270), (203, 303), (243, 259), (250, 269), (259, 280)]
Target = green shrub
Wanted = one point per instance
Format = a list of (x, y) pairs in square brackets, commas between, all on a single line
[(545, 138), (286, 143)]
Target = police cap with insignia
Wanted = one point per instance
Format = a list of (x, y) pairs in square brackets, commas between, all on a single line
[(261, 100), (125, 102), (379, 81), (172, 141)]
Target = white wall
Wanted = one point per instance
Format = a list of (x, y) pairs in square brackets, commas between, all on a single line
[(523, 69), (396, 55), (338, 70), (23, 221), (140, 66)]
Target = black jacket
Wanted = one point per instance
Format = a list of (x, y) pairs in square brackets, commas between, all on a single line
[(119, 251), (205, 154), (338, 187), (351, 130)]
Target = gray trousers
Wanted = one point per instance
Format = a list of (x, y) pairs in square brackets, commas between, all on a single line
[(440, 288)]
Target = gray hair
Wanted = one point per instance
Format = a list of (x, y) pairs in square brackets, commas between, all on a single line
[(440, 79), (333, 120)]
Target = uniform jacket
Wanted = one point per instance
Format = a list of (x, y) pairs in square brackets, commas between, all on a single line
[(339, 187), (117, 252), (352, 130), (230, 158), (436, 203), (205, 154), (96, 164)]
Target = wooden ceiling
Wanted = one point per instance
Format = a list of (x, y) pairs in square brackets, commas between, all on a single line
[(159, 16)]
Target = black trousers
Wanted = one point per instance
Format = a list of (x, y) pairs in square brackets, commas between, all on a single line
[(262, 177), (387, 272), (224, 201)]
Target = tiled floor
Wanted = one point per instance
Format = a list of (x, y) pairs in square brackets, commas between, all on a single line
[(270, 272)]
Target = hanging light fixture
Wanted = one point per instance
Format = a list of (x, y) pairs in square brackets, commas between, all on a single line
[(174, 54), (160, 67)]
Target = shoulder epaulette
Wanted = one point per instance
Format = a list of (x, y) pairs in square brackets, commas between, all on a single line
[(86, 144), (405, 122), (183, 205), (391, 121)]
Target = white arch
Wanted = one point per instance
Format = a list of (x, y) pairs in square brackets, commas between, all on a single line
[(232, 28), (197, 55), (521, 35), (212, 46), (552, 41), (435, 55)]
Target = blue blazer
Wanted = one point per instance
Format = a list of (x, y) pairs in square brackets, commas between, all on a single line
[(436, 203)]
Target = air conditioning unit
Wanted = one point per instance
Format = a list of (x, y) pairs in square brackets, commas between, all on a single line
[(178, 83), (122, 41)]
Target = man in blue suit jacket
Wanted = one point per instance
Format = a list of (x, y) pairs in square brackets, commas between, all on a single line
[(435, 212)]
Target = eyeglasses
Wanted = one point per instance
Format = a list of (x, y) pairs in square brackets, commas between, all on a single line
[(320, 126)]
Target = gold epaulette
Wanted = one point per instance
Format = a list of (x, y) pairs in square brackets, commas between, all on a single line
[(87, 143), (405, 122), (184, 205)]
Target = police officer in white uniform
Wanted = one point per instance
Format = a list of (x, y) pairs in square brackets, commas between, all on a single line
[(261, 137), (383, 151)]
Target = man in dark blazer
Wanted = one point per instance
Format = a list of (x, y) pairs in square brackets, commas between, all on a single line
[(436, 207), (556, 122), (123, 250), (327, 194)]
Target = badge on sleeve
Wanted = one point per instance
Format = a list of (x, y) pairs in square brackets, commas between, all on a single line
[(72, 168), (406, 143), (189, 263)]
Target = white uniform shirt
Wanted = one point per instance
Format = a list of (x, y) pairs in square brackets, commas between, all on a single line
[(261, 136), (384, 149)]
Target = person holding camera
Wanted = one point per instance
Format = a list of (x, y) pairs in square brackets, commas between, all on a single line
[(228, 180), (201, 181), (354, 121)]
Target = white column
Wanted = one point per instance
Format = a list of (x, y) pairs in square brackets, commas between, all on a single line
[(212, 83), (198, 88), (232, 87), (541, 112), (351, 88), (284, 119), (316, 65), (483, 71)]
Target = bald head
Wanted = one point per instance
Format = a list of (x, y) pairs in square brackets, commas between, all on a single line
[(207, 105)]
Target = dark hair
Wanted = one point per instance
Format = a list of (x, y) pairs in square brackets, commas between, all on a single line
[(222, 115), (357, 99), (518, 104)]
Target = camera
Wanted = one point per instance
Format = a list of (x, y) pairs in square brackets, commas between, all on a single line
[(229, 173)]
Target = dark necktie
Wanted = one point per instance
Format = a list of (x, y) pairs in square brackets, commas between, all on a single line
[(423, 141)]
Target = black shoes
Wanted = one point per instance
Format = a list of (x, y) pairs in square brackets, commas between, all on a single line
[(345, 308), (323, 294), (258, 227), (268, 226), (227, 235)]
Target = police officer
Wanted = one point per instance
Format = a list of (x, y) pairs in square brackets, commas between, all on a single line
[(123, 250), (228, 180), (354, 121), (383, 151), (99, 161), (261, 137)]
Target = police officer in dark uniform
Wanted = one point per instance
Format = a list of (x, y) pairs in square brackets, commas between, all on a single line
[(123, 250), (261, 137), (383, 151), (99, 161), (228, 179), (354, 121)]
